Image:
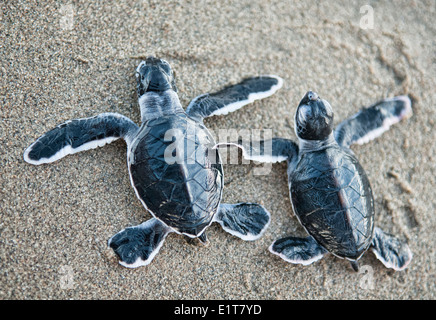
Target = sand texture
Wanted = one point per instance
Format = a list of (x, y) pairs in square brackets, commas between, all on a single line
[(60, 61)]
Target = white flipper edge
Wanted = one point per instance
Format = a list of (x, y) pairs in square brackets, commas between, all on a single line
[(251, 98), (139, 242), (247, 221), (67, 150)]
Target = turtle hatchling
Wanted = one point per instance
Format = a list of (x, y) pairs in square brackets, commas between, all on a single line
[(174, 169), (329, 190)]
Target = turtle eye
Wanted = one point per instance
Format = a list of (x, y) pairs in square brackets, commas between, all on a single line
[(304, 113), (165, 66), (312, 96), (328, 108)]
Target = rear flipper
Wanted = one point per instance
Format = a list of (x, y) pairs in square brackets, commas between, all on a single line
[(79, 135), (371, 122), (247, 221), (391, 251), (298, 250), (137, 246)]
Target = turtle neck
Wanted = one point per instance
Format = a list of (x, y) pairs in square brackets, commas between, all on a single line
[(316, 145), (156, 104)]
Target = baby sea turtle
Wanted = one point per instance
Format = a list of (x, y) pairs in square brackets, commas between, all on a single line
[(173, 168), (329, 190)]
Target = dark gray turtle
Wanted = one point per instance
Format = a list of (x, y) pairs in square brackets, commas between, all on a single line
[(173, 167), (330, 192)]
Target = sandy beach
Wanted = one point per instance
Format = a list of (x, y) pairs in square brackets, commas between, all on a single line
[(67, 60)]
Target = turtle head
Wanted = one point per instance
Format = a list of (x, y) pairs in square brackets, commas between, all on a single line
[(154, 74), (314, 118)]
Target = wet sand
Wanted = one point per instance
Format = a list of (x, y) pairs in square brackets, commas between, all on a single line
[(60, 62)]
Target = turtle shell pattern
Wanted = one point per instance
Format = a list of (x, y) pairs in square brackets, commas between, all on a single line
[(332, 199), (176, 173)]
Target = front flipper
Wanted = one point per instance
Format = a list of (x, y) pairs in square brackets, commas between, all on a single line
[(391, 251), (79, 135), (371, 122), (271, 150), (298, 250), (247, 221), (233, 97), (137, 246)]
